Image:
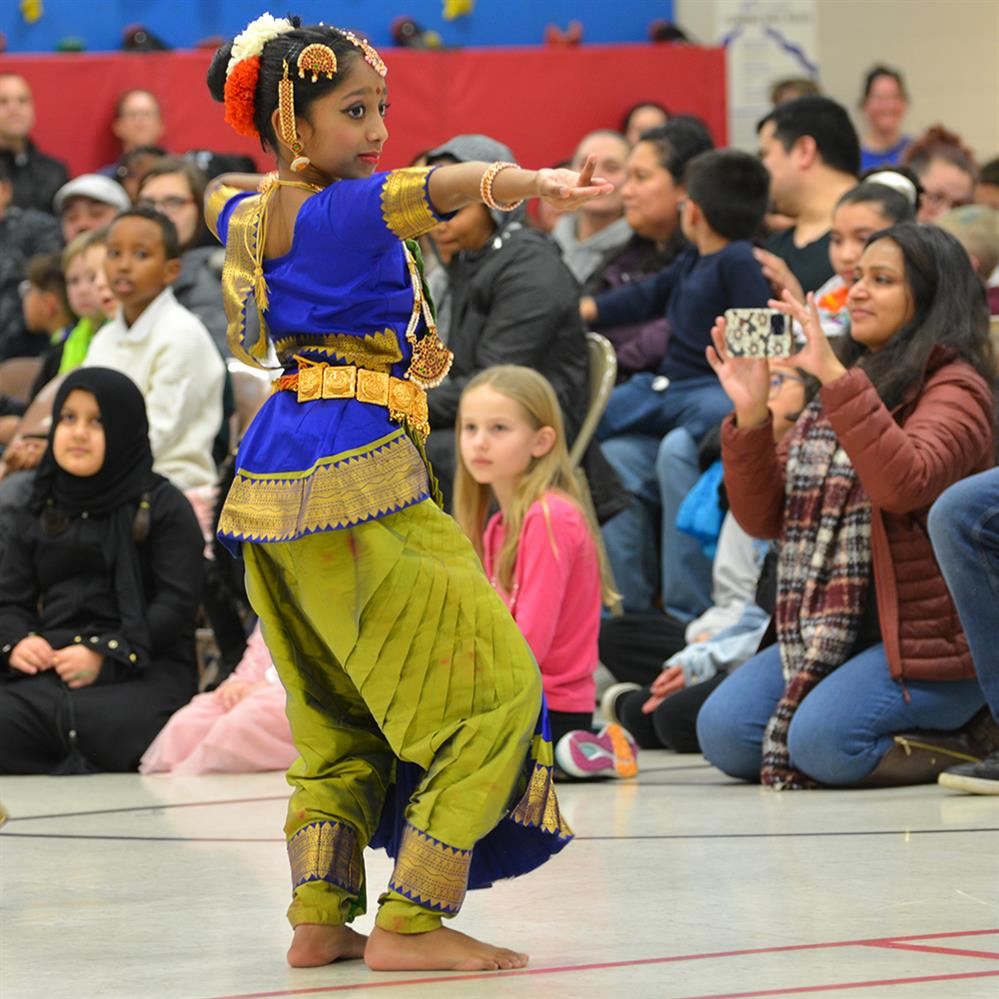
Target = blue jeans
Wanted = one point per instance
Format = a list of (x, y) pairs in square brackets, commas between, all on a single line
[(658, 474), (637, 408), (964, 528), (841, 729)]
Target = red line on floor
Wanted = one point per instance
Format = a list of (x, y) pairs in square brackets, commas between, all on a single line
[(928, 949), (843, 986), (608, 965)]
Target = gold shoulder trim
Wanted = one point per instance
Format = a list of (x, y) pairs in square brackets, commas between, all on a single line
[(326, 851), (242, 277), (429, 872), (340, 491), (214, 204), (405, 207)]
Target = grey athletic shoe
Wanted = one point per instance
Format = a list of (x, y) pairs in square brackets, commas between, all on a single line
[(974, 778)]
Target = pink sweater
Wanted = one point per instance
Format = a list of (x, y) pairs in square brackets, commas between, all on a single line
[(556, 597)]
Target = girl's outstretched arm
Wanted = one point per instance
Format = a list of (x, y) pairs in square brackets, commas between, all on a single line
[(457, 184)]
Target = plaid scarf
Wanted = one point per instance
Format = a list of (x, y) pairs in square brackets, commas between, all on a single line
[(822, 578)]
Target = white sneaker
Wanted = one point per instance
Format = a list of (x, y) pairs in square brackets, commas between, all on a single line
[(608, 703)]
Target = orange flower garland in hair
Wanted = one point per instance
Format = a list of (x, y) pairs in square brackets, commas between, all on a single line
[(240, 88), (243, 70)]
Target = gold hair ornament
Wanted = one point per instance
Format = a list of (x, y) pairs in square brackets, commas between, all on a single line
[(286, 121), (371, 57), (316, 59)]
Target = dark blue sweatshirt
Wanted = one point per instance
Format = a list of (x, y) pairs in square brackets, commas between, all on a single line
[(692, 291)]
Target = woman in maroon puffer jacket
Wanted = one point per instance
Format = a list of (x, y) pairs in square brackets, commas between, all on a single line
[(869, 644)]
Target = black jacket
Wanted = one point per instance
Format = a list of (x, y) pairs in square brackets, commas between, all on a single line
[(514, 302), (62, 586), (35, 177)]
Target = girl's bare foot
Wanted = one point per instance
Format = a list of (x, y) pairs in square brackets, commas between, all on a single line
[(438, 950), (315, 944)]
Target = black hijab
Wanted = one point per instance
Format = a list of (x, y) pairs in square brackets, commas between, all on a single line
[(127, 471), (115, 499)]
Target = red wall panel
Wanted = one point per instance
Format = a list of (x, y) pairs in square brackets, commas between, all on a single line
[(539, 101)]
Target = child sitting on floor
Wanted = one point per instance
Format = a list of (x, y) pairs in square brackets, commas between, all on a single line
[(539, 551), (240, 727)]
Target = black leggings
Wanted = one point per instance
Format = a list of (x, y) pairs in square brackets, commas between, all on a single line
[(673, 724), (634, 646), (562, 722)]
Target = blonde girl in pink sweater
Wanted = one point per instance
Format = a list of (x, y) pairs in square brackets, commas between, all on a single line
[(539, 552)]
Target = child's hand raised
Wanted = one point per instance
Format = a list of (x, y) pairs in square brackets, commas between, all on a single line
[(745, 379), (567, 189)]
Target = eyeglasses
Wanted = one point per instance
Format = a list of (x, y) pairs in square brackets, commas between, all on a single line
[(173, 203), (777, 379)]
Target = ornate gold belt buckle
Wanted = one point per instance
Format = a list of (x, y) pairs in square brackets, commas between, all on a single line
[(372, 387), (339, 381), (310, 383)]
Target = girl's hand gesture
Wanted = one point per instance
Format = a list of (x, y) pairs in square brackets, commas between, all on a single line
[(31, 655), (745, 379), (776, 271), (816, 357), (566, 189), (77, 667), (669, 681)]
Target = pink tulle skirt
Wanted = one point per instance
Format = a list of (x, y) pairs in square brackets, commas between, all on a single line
[(204, 738)]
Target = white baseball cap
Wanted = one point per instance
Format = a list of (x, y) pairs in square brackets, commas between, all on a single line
[(95, 186)]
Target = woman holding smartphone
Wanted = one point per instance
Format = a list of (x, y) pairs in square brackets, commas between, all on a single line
[(869, 646)]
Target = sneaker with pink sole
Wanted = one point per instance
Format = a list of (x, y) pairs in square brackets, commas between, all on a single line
[(611, 752)]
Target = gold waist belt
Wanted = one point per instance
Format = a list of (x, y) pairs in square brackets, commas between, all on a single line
[(404, 399)]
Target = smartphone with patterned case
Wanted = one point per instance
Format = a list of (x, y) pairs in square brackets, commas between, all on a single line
[(757, 333)]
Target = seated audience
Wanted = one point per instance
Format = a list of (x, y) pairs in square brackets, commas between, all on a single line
[(99, 586), (83, 267), (726, 196), (883, 105), (946, 170), (868, 643), (791, 88), (34, 176), (651, 195), (240, 727), (987, 188), (24, 233), (538, 551), (598, 227), (134, 167), (879, 201), (163, 348), (511, 300), (810, 149), (642, 117), (964, 528), (665, 685), (47, 315), (137, 122), (89, 202), (977, 230), (176, 188)]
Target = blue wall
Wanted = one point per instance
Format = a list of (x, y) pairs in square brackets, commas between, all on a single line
[(183, 23)]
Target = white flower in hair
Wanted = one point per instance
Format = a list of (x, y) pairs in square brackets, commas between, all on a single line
[(252, 39)]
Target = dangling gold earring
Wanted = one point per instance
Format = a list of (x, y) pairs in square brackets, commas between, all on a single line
[(286, 122)]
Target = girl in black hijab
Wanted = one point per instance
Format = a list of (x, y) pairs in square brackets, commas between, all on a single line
[(99, 587)]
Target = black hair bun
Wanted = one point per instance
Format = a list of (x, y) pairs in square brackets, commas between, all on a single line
[(216, 72)]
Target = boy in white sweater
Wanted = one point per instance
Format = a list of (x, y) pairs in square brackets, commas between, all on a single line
[(162, 347)]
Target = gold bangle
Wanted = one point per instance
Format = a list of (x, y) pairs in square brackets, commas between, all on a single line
[(486, 187)]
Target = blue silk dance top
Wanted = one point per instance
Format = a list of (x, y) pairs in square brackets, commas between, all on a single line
[(347, 316)]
